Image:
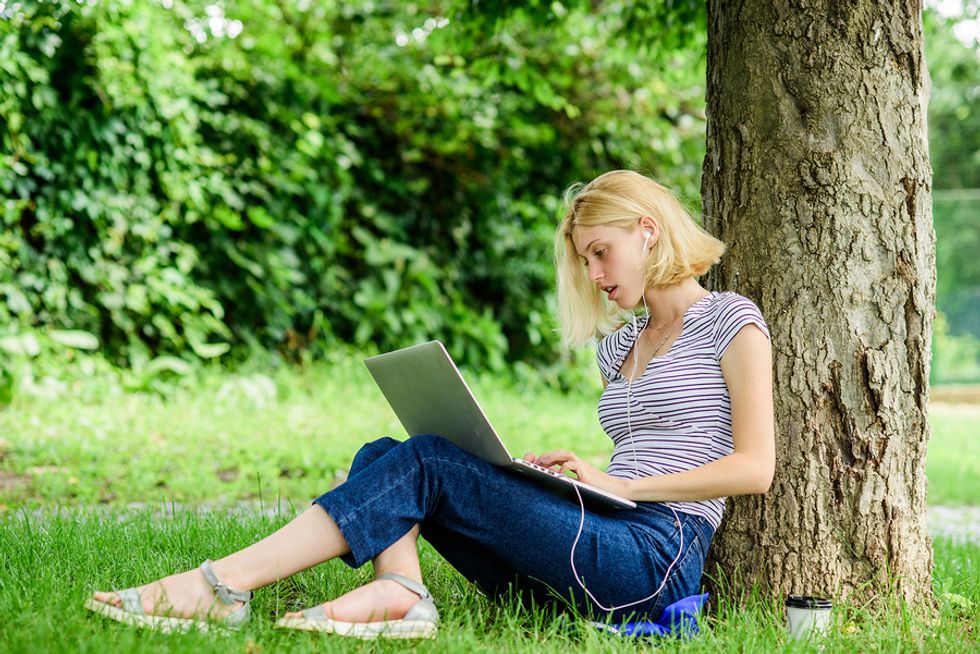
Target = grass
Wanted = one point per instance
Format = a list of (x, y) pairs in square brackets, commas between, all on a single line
[(953, 459), (70, 464), (53, 558), (224, 438), (294, 434)]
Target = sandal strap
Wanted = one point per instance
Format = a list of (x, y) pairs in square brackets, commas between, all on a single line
[(225, 594), (131, 600), (315, 613), (413, 586)]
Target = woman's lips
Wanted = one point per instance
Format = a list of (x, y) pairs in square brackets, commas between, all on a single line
[(611, 293)]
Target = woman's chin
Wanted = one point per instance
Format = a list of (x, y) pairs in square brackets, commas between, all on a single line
[(626, 304), (623, 300)]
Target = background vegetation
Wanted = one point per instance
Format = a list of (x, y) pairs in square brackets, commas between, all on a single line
[(181, 177), (195, 195), (195, 179), (951, 33)]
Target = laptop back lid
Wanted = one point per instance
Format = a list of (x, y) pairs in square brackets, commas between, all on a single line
[(429, 396)]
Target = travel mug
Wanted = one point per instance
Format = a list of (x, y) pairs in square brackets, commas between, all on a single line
[(807, 615)]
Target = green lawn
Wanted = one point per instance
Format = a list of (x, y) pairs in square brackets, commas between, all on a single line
[(52, 559), (225, 439), (228, 439), (953, 459), (70, 464)]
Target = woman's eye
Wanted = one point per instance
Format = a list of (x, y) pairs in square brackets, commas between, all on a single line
[(600, 253)]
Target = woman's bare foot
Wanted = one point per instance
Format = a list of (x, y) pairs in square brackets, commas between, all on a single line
[(373, 602), (184, 595)]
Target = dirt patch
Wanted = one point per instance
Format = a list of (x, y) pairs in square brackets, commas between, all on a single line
[(965, 394), (10, 481), (956, 522), (957, 410)]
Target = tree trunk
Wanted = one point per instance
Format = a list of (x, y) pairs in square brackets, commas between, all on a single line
[(817, 176)]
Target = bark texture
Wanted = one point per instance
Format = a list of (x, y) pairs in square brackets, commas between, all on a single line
[(817, 176)]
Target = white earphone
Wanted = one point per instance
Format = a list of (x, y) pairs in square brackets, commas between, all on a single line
[(648, 234), (636, 467)]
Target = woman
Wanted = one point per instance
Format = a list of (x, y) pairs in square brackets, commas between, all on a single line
[(687, 401)]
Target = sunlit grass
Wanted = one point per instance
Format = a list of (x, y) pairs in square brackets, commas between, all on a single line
[(294, 433), (953, 459), (286, 438), (54, 558)]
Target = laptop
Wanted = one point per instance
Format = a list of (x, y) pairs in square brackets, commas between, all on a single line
[(427, 393)]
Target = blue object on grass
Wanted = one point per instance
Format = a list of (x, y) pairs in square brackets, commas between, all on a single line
[(678, 619)]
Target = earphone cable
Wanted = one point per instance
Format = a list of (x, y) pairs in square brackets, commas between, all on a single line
[(636, 470), (581, 582)]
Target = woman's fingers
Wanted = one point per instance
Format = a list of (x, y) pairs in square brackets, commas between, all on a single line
[(547, 459), (555, 458)]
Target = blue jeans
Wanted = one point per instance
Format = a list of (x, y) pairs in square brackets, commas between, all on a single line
[(511, 536)]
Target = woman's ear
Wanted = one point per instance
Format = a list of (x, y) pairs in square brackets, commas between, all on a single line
[(651, 230)]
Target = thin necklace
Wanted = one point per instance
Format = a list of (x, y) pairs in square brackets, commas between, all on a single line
[(667, 326), (636, 346), (670, 330), (671, 324), (629, 380)]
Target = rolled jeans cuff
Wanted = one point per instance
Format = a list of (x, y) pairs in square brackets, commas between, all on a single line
[(359, 551)]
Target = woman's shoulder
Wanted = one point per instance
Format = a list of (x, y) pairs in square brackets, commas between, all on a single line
[(608, 342), (727, 303), (610, 346), (730, 312)]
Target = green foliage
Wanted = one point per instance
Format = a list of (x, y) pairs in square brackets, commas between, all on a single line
[(93, 144), (954, 129), (954, 106), (954, 135), (956, 357), (356, 173), (48, 363)]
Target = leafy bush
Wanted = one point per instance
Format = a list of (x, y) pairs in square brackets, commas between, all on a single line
[(181, 176), (955, 357)]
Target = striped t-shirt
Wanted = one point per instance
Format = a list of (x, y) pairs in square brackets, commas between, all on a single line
[(680, 412)]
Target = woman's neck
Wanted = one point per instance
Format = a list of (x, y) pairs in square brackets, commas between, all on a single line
[(667, 304)]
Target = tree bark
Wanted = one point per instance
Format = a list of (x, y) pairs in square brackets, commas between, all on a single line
[(817, 177)]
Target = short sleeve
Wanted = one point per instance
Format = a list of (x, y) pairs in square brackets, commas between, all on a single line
[(604, 356), (734, 313)]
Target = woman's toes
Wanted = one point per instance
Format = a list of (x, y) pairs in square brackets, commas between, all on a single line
[(107, 598), (380, 599)]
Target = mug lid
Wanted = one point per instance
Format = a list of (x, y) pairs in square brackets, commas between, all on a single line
[(808, 602)]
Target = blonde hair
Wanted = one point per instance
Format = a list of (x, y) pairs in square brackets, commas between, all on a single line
[(620, 198)]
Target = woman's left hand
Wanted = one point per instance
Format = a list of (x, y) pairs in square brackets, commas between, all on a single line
[(567, 461)]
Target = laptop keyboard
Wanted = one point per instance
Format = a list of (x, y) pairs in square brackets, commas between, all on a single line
[(553, 473)]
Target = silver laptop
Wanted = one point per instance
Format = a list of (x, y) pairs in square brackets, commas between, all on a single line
[(429, 396)]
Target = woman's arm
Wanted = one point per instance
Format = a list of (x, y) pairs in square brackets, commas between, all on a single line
[(747, 369)]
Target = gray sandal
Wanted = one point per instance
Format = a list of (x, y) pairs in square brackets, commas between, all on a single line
[(421, 621), (132, 612)]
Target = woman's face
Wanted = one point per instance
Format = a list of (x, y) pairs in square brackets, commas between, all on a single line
[(614, 258)]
